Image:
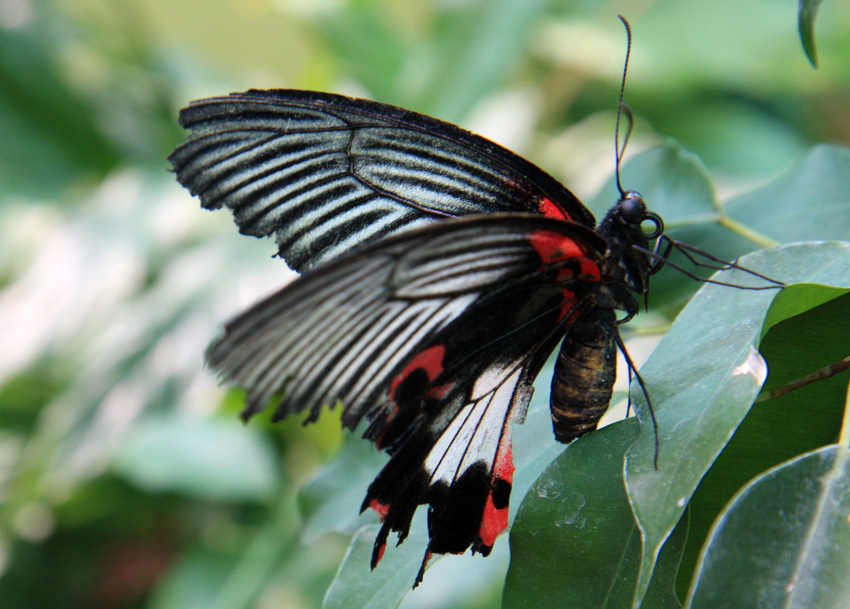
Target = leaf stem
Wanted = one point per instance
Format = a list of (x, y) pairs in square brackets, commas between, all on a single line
[(818, 375), (746, 232)]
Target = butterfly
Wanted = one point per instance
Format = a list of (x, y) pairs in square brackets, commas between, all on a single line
[(438, 272)]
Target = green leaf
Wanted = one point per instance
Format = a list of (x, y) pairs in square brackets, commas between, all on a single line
[(703, 378), (209, 459), (363, 37), (662, 587), (357, 586), (193, 582), (808, 10), (575, 542), (50, 135), (783, 540), (810, 202), (781, 429)]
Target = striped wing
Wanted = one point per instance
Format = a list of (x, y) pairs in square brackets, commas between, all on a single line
[(323, 173), (460, 463), (434, 336)]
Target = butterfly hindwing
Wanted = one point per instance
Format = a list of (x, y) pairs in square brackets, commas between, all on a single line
[(435, 336), (324, 173)]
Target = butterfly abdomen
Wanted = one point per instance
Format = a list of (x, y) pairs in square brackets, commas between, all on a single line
[(584, 374)]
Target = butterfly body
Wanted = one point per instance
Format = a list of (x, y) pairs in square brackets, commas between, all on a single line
[(439, 271)]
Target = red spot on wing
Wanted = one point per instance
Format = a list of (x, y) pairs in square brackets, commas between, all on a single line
[(589, 270), (382, 508), (495, 518), (550, 209), (554, 248), (504, 466), (494, 522), (430, 360), (438, 392)]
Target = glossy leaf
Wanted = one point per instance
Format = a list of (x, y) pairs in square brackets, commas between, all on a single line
[(809, 202), (783, 540), (575, 542), (332, 499), (778, 430), (703, 378)]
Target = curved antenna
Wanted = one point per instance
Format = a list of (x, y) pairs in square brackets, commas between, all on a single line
[(621, 107)]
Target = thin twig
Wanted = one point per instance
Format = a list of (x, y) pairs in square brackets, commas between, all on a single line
[(817, 375)]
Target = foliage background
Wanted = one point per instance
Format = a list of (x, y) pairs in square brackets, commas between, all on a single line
[(125, 478)]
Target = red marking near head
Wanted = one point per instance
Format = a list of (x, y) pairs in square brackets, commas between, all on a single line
[(555, 248), (550, 209), (589, 271), (381, 508), (430, 360)]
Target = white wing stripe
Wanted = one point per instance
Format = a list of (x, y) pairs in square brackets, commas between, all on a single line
[(475, 434)]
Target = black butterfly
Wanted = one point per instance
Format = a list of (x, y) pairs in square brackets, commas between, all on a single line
[(439, 272)]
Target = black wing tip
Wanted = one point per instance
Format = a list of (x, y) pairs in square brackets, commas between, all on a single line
[(421, 574)]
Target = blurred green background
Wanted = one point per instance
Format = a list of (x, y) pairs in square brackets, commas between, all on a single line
[(126, 479)]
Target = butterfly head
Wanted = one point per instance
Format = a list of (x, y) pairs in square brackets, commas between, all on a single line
[(628, 228), (631, 211)]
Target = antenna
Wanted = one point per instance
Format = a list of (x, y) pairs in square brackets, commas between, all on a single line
[(621, 107)]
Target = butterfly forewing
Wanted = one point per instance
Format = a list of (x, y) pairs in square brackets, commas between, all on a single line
[(324, 173), (338, 334)]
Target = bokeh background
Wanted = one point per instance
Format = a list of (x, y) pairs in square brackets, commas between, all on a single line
[(126, 479)]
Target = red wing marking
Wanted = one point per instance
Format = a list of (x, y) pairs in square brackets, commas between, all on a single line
[(553, 248), (550, 209), (430, 360), (495, 518), (438, 392), (380, 555), (569, 299), (381, 508), (589, 270)]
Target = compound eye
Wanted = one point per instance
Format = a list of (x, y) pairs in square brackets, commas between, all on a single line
[(632, 207)]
